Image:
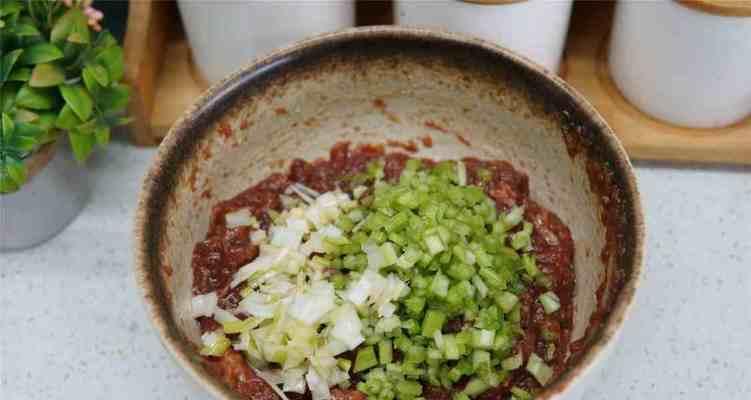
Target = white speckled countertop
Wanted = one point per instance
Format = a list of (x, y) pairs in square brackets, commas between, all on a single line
[(72, 325)]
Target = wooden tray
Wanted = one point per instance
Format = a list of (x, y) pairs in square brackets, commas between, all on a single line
[(159, 66), (585, 68)]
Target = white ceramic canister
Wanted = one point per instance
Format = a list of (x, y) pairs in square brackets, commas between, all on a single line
[(687, 64), (535, 29), (227, 34)]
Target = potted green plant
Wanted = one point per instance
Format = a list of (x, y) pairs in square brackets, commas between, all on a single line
[(60, 81)]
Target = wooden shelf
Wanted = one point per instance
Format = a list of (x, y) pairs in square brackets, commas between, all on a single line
[(159, 66)]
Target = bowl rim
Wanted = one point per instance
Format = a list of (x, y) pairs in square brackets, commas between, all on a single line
[(173, 340)]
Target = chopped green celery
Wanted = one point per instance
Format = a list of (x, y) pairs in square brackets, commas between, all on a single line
[(344, 363), (356, 215), (475, 387), (413, 164), (460, 271), (483, 259), (459, 292), (444, 258), (444, 234), (550, 302), (464, 337), (481, 360), (402, 343), (408, 259), (350, 248), (433, 322), (420, 282), (388, 250), (339, 281), (513, 362), (440, 285), (378, 236), (440, 343), (455, 374), (434, 244), (434, 354), (460, 396), (451, 349), (414, 305), (516, 314), (502, 343), (345, 223), (238, 326), (415, 355), (375, 170), (492, 278), (537, 368), (409, 200), (365, 359), (397, 222), (358, 261), (482, 289), (544, 281), (522, 239), (520, 394), (408, 389), (514, 217), (412, 370), (385, 352), (506, 300), (411, 326), (397, 238), (483, 339), (373, 338), (321, 261)]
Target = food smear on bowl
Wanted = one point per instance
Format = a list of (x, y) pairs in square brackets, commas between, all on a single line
[(380, 275)]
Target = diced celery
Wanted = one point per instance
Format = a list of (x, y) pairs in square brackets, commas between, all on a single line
[(434, 244), (414, 305), (365, 359), (506, 300), (388, 250), (475, 387), (432, 322), (344, 363), (408, 389), (483, 339), (450, 348), (512, 363), (537, 368), (408, 259), (481, 360), (385, 351), (440, 285), (550, 302), (460, 271)]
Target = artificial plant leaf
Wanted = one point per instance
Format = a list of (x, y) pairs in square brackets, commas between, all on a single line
[(46, 120), (67, 119), (25, 29), (40, 53), (82, 144), (36, 98), (64, 25), (79, 99), (112, 59), (8, 92), (26, 137), (16, 170), (8, 126), (79, 32), (8, 7), (99, 73), (102, 134), (7, 62), (46, 75), (113, 98), (89, 80), (23, 115), (22, 74), (105, 40)]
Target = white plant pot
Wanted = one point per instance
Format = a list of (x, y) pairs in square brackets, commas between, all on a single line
[(685, 66), (225, 35), (53, 196), (535, 29)]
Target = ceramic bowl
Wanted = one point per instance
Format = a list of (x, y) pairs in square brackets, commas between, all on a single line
[(366, 86)]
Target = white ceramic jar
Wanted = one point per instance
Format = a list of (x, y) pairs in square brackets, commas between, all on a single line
[(227, 34), (687, 65), (535, 29)]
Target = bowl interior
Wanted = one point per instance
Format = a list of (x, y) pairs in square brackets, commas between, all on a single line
[(369, 86)]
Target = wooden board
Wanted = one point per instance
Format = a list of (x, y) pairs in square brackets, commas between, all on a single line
[(159, 66), (585, 68)]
